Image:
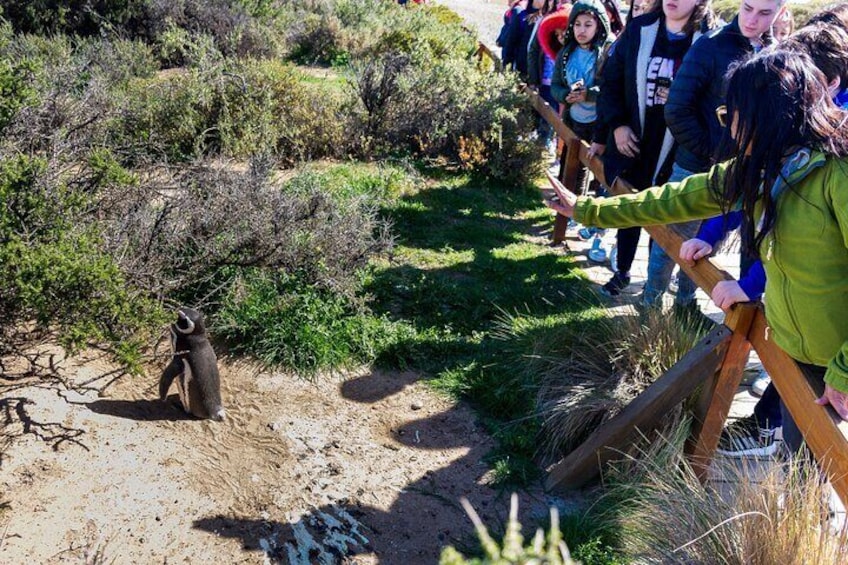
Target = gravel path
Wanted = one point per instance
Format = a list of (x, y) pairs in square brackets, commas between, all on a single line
[(485, 16)]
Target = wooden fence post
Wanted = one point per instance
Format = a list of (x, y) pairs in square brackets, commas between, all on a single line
[(570, 171), (717, 393)]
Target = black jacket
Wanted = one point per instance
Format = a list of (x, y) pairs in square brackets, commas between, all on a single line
[(698, 89), (619, 101)]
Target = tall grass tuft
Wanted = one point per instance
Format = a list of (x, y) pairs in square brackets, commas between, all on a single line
[(587, 377), (778, 514)]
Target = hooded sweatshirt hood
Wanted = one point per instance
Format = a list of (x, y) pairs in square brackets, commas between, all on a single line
[(595, 8)]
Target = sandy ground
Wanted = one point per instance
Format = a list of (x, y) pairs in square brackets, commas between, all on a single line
[(360, 468)]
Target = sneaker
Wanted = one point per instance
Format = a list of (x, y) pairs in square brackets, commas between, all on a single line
[(588, 233), (616, 284), (744, 438), (674, 284), (597, 254), (760, 384)]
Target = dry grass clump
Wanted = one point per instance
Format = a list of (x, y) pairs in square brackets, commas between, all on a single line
[(588, 377), (779, 514)]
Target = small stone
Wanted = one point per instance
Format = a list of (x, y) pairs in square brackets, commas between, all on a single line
[(274, 426), (417, 405)]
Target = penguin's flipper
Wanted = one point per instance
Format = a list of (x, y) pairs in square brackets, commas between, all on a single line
[(172, 371)]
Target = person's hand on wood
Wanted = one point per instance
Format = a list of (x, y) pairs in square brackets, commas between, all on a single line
[(727, 293), (837, 399), (626, 141), (565, 201), (596, 149), (693, 249)]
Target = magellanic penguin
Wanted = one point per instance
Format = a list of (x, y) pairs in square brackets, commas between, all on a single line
[(194, 366)]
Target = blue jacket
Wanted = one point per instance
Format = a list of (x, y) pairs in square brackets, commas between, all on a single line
[(752, 281), (518, 37), (698, 89)]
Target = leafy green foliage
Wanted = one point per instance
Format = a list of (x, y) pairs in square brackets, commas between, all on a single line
[(542, 550), (284, 322), (55, 272)]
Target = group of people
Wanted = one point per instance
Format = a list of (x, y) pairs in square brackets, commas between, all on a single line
[(742, 124)]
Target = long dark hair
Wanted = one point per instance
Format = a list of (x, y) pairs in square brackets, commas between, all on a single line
[(778, 102)]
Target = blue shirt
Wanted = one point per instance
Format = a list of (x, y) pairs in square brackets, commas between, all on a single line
[(581, 66)]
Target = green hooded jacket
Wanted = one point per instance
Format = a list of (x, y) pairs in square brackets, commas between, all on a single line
[(805, 256)]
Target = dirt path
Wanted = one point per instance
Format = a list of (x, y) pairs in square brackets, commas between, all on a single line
[(486, 16), (365, 468)]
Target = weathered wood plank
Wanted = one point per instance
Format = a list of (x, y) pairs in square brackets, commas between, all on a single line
[(824, 431), (571, 168), (584, 463)]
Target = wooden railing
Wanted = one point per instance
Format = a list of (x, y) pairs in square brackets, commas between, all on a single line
[(715, 365)]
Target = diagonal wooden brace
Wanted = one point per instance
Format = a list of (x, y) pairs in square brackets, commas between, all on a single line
[(644, 413)]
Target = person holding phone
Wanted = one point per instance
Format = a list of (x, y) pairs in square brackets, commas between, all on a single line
[(575, 81)]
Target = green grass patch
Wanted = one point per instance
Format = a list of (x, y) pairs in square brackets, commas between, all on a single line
[(467, 272)]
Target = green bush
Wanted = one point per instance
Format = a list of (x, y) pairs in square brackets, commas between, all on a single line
[(168, 117), (284, 321), (78, 17), (54, 269), (269, 107), (450, 112)]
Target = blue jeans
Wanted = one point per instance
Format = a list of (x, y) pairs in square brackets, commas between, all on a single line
[(660, 265)]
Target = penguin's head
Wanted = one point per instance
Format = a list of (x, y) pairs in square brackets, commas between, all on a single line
[(189, 322)]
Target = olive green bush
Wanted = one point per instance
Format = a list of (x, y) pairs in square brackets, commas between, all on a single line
[(450, 112), (54, 269)]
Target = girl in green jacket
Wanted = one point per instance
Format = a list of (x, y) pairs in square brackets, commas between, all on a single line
[(790, 181)]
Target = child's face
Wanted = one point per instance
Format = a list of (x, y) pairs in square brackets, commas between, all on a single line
[(560, 35), (782, 26), (585, 29), (678, 10), (641, 7)]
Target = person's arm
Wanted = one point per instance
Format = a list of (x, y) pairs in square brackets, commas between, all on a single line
[(690, 199), (837, 368), (753, 282), (683, 109), (836, 376), (713, 230), (594, 91), (611, 104)]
